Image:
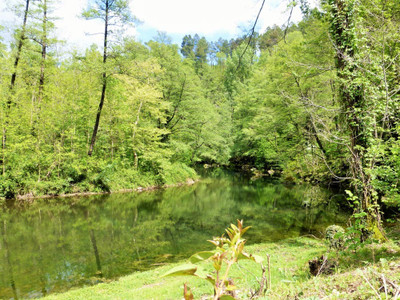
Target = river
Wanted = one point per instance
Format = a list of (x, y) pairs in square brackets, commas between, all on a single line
[(52, 245)]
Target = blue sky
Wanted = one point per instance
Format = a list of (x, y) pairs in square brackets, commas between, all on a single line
[(209, 18)]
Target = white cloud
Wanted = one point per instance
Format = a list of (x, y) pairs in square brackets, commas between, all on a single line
[(206, 17), (72, 28), (78, 32), (279, 15), (210, 16), (189, 16)]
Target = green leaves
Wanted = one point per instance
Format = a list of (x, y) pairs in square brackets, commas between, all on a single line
[(91, 13), (226, 297), (228, 251), (201, 256), (258, 259), (183, 270)]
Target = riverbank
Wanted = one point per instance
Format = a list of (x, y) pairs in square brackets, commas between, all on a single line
[(371, 271), (118, 234), (30, 197), (92, 182)]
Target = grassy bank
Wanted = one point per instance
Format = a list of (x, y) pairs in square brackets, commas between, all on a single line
[(100, 180), (358, 276)]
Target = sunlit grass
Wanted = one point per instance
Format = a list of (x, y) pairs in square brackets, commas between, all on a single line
[(360, 275)]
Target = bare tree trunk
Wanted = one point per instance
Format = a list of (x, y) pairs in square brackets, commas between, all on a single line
[(104, 84), (44, 52), (19, 49), (43, 42), (136, 162)]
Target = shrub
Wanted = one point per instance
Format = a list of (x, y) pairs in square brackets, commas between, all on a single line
[(334, 234)]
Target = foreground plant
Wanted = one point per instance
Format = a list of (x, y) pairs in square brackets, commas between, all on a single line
[(228, 251)]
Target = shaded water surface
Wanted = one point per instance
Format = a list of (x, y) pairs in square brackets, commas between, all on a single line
[(53, 245)]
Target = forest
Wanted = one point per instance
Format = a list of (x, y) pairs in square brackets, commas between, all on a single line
[(316, 101), (310, 110)]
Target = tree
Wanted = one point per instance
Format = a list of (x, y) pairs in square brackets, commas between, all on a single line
[(112, 12), (202, 49), (270, 38), (357, 108), (196, 49), (20, 42), (40, 34), (187, 47)]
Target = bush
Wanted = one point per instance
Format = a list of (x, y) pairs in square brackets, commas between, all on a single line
[(8, 187), (334, 234)]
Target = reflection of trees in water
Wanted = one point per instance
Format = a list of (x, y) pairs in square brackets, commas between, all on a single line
[(39, 261), (121, 233), (94, 243), (8, 259)]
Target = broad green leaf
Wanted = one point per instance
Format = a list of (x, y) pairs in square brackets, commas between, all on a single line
[(231, 288), (234, 227), (258, 259), (245, 229), (210, 279), (226, 297), (182, 270), (201, 256)]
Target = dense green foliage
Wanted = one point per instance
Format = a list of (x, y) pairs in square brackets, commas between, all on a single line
[(315, 101)]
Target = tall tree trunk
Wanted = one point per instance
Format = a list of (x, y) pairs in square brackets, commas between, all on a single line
[(21, 41), (43, 42), (19, 49), (353, 104), (44, 52), (104, 84), (136, 161)]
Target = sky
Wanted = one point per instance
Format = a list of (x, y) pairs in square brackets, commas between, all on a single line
[(210, 18)]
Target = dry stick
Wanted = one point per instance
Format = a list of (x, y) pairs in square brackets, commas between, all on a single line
[(396, 296), (262, 280), (385, 286), (395, 286), (369, 283), (323, 264), (251, 35), (262, 289), (287, 26), (269, 271)]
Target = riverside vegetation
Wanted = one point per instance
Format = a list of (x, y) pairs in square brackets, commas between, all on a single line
[(370, 273), (316, 101), (52, 245)]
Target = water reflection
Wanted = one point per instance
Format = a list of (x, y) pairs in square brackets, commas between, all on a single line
[(53, 245)]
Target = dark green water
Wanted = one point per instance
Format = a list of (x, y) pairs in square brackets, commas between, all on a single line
[(53, 245)]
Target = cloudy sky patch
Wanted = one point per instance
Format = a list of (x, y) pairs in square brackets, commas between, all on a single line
[(209, 18)]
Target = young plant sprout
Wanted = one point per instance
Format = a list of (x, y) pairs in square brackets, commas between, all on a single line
[(228, 251)]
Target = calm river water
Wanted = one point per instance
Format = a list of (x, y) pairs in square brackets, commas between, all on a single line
[(53, 245)]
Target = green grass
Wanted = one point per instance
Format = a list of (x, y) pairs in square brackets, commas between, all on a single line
[(288, 265), (358, 276)]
